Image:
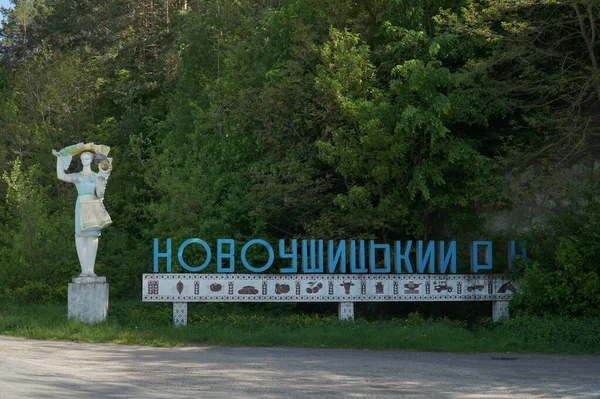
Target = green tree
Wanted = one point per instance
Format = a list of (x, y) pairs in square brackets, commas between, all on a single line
[(408, 155), (35, 263), (543, 59)]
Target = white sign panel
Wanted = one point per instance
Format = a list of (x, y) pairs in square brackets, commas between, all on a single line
[(174, 287)]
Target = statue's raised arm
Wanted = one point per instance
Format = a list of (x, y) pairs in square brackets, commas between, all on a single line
[(60, 169), (90, 214)]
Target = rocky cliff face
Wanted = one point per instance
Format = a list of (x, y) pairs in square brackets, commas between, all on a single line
[(538, 195)]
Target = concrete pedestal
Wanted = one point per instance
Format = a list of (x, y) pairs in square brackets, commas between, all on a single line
[(180, 314), (500, 310), (346, 311), (88, 299)]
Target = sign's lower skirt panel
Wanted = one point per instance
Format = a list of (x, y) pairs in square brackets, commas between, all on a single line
[(325, 287)]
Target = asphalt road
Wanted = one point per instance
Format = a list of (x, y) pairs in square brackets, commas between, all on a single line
[(51, 369)]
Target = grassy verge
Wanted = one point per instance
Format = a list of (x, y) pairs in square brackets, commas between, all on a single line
[(150, 324)]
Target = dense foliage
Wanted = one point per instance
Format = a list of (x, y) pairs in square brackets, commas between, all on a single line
[(565, 277), (378, 119)]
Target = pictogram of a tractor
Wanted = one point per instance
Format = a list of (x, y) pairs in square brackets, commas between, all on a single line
[(442, 286)]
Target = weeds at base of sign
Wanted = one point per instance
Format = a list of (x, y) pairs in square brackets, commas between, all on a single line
[(151, 324)]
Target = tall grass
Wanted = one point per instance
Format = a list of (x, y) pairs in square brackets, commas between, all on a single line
[(238, 325)]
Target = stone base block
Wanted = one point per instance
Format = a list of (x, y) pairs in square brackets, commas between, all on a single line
[(346, 310), (500, 310), (88, 299), (179, 314)]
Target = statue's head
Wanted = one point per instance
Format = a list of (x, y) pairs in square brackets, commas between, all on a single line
[(87, 158)]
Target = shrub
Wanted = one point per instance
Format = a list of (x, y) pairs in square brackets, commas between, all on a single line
[(562, 277), (33, 291)]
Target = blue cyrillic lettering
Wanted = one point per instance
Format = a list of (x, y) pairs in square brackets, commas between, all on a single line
[(182, 261), (362, 268), (266, 265), (373, 261), (426, 259), (225, 255), (314, 257), (475, 265), (446, 257), (335, 256), (512, 253), (403, 257), (293, 256), (166, 255)]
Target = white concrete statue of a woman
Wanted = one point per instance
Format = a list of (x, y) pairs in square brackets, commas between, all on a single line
[(90, 214)]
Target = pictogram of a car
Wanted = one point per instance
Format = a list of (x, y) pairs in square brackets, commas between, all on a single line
[(442, 286), (474, 287)]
